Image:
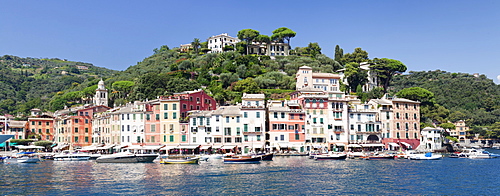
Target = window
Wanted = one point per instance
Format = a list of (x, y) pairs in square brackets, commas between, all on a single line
[(275, 114), (217, 140), (227, 119), (171, 138), (282, 137), (174, 106), (245, 138), (282, 115), (258, 137), (245, 115), (76, 130), (237, 119), (174, 115), (183, 137), (47, 123), (257, 129), (86, 130), (238, 131), (257, 114), (297, 136), (227, 140), (76, 139), (227, 131), (165, 115), (165, 106), (245, 128), (76, 121), (157, 116), (153, 128), (237, 139)]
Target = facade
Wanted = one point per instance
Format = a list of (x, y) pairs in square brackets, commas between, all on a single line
[(253, 119), (217, 43), (185, 47), (460, 131), (19, 130), (152, 123), (286, 126), (364, 124), (431, 139), (42, 126), (270, 49), (326, 82)]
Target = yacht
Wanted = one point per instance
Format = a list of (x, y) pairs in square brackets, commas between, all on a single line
[(127, 157), (66, 155)]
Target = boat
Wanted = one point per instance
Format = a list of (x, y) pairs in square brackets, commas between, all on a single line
[(267, 156), (354, 155), (243, 159), (192, 160), (426, 156), (312, 154), (331, 156), (378, 156), (473, 154), (66, 155), (27, 157), (127, 157)]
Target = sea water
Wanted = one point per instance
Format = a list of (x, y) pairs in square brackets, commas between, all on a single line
[(293, 175)]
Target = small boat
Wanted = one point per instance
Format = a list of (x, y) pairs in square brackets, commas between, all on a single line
[(27, 157), (127, 157), (267, 156), (243, 159), (331, 156), (354, 155), (193, 160), (426, 156), (71, 156), (378, 156)]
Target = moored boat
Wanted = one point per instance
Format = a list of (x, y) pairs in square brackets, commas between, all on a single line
[(331, 156), (193, 160), (267, 156), (71, 156), (127, 157), (243, 159), (426, 156), (378, 156)]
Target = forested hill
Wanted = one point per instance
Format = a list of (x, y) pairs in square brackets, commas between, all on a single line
[(27, 83), (475, 99)]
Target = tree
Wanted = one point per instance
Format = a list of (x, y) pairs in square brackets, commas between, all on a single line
[(417, 94), (447, 126), (313, 49), (358, 56), (122, 88), (248, 35), (196, 45), (162, 49), (262, 39), (339, 52), (385, 69), (355, 76), (247, 85), (282, 34)]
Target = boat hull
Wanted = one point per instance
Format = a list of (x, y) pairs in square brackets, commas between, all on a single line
[(267, 157), (120, 159), (330, 157), (180, 161), (146, 158), (243, 160)]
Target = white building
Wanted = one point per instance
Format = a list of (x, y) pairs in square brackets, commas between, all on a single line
[(253, 119), (364, 124), (431, 139), (217, 43)]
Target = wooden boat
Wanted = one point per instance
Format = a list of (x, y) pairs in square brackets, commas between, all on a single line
[(331, 157), (194, 160), (243, 159), (267, 156)]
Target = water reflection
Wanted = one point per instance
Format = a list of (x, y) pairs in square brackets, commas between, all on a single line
[(283, 176)]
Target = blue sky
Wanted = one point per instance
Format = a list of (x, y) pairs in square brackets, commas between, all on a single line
[(454, 36)]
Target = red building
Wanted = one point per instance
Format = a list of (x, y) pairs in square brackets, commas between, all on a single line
[(193, 100)]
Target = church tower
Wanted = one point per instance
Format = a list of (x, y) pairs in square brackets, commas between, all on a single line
[(101, 94)]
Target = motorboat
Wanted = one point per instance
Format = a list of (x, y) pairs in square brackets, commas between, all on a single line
[(377, 156), (331, 156), (243, 159), (426, 156), (127, 157), (474, 154), (353, 155), (191, 160), (66, 155), (26, 157)]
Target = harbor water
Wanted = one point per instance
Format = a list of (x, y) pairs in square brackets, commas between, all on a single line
[(294, 175)]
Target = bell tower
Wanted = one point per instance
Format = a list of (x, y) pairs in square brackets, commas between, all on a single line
[(101, 94)]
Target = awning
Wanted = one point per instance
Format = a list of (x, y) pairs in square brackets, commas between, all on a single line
[(168, 147), (187, 147), (372, 145), (393, 144), (89, 148), (134, 147), (205, 147), (121, 146), (339, 144), (406, 144), (353, 146), (217, 146), (152, 147), (30, 147), (106, 147), (59, 147), (227, 147)]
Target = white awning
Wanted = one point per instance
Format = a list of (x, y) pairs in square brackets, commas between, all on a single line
[(121, 146), (106, 147), (187, 147), (58, 147), (134, 147), (205, 147), (406, 144), (152, 147), (30, 147), (227, 147), (353, 146), (168, 147), (339, 144), (393, 144), (89, 148), (372, 145), (217, 146)]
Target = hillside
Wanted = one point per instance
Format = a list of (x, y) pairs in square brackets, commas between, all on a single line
[(470, 98), (28, 83)]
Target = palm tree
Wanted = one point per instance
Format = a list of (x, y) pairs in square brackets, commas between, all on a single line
[(196, 45)]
